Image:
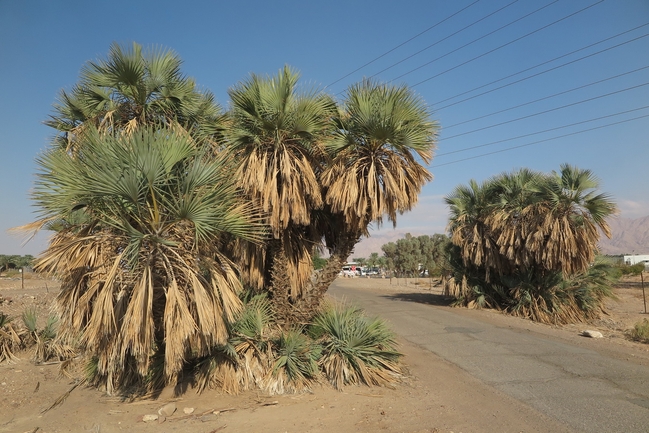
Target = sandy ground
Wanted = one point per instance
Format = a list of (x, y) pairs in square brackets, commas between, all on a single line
[(435, 396)]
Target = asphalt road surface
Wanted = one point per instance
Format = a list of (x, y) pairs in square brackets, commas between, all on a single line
[(581, 388)]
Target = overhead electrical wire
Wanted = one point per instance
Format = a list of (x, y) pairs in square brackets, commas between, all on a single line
[(507, 44), (515, 82), (546, 97), (539, 141), (465, 149), (540, 73), (546, 62), (545, 111), (465, 45), (403, 43), (450, 36)]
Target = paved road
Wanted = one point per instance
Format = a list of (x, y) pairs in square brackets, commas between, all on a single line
[(579, 387)]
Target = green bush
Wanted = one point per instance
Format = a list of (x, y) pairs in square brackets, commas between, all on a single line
[(636, 269)]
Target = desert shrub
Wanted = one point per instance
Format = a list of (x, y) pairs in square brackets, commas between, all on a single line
[(640, 332), (355, 348)]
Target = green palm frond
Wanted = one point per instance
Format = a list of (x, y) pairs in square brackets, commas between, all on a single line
[(355, 348), (296, 361), (135, 87)]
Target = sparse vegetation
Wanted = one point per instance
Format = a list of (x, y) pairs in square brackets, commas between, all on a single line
[(640, 332), (636, 269)]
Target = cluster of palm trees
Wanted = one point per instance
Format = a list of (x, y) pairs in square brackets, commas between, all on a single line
[(526, 242), (165, 207)]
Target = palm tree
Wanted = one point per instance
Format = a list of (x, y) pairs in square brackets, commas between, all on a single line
[(143, 222), (470, 206), (383, 138), (277, 139), (322, 173), (511, 198), (523, 236), (570, 216), (130, 88)]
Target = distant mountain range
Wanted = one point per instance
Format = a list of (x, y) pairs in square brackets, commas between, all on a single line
[(630, 236)]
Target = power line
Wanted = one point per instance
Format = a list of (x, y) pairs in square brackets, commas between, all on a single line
[(539, 141), (546, 97), (538, 73), (403, 43), (508, 43), (447, 37), (545, 111), (467, 44), (543, 63), (540, 132)]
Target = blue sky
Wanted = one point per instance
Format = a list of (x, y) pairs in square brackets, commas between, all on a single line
[(443, 49)]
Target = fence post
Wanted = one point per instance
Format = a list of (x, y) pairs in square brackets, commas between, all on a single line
[(644, 299)]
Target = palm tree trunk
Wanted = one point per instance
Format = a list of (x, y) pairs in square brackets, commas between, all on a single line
[(300, 310)]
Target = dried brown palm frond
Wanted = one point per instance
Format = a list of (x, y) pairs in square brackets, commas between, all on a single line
[(11, 339), (368, 184), (218, 372)]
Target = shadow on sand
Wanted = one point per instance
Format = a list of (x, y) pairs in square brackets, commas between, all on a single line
[(422, 298)]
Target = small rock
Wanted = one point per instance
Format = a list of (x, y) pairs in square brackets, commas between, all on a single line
[(150, 418), (162, 419), (188, 410), (208, 417), (167, 410), (592, 334)]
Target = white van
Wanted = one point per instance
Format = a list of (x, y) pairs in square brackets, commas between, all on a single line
[(347, 271)]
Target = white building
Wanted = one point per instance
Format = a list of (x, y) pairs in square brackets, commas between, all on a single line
[(637, 258)]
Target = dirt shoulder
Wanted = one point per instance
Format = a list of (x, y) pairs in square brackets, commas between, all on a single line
[(435, 396)]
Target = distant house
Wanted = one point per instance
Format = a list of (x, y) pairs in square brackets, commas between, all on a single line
[(637, 258)]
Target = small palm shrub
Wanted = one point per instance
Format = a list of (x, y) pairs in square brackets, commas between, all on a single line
[(46, 345), (355, 348), (296, 365), (244, 361), (341, 344), (640, 332)]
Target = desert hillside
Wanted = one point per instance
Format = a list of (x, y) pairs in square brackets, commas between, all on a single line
[(630, 236)]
